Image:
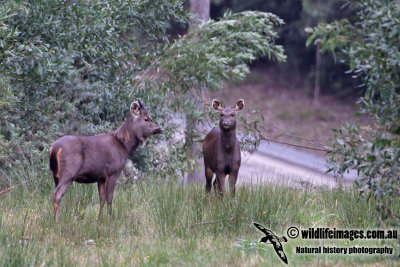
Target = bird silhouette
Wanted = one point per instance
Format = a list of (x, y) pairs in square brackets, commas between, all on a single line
[(274, 240)]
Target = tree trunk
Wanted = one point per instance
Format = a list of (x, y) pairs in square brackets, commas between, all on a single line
[(317, 63), (201, 8), (196, 174), (317, 74)]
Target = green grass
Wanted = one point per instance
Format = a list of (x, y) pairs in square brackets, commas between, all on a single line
[(156, 223)]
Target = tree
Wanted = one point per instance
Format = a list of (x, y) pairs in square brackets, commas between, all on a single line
[(66, 62), (201, 60), (370, 47), (74, 68), (301, 62), (196, 171), (201, 9), (313, 9)]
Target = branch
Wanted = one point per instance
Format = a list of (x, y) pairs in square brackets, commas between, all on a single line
[(211, 222), (12, 187), (152, 68), (283, 132), (295, 145), (389, 211)]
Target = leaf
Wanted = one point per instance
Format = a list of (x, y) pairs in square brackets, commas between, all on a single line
[(311, 38)]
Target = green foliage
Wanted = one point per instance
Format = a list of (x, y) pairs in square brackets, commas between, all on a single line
[(376, 160), (370, 46), (298, 15), (66, 62), (74, 68), (199, 62), (290, 33), (77, 51), (214, 51)]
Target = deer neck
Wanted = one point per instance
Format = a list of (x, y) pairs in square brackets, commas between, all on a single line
[(128, 139), (228, 139)]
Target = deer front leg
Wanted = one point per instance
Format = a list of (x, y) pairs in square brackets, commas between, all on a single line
[(110, 185), (215, 185), (232, 181), (209, 177), (102, 194), (221, 183)]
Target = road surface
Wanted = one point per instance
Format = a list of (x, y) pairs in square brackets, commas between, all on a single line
[(280, 164)]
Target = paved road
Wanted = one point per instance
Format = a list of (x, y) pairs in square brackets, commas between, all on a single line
[(288, 166)]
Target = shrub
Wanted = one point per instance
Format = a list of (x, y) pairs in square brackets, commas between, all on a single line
[(370, 46)]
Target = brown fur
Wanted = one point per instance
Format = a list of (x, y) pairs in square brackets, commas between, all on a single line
[(122, 134), (99, 158), (58, 157), (221, 149)]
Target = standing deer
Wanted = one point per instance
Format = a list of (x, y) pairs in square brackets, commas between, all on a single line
[(221, 149), (99, 158)]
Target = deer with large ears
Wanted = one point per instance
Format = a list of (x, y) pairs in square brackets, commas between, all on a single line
[(221, 149), (100, 158)]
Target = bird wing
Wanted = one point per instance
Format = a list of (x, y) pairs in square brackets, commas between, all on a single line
[(263, 229), (279, 250)]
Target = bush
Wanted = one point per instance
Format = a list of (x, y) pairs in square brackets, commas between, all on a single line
[(370, 45), (75, 67)]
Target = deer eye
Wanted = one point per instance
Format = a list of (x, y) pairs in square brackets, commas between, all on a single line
[(232, 115), (146, 120)]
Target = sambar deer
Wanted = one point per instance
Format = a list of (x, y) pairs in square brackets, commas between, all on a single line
[(99, 158), (221, 149)]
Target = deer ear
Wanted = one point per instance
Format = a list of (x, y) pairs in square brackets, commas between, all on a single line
[(239, 105), (135, 109), (216, 105), (140, 103)]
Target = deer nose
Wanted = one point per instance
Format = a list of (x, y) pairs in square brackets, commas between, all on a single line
[(157, 131), (226, 123)]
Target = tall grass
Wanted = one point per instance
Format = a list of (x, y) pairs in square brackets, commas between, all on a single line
[(164, 223)]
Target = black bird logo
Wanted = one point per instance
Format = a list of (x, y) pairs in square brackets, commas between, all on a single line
[(274, 240)]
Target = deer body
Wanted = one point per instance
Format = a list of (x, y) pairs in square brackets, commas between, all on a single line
[(76, 154), (221, 149), (99, 158)]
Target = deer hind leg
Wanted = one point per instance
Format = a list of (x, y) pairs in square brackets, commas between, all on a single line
[(54, 160), (209, 177), (55, 180), (58, 193), (64, 171)]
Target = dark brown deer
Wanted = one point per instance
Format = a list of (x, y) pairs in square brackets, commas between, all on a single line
[(221, 149), (99, 158)]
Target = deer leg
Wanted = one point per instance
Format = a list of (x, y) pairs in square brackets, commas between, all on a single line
[(221, 183), (55, 180), (215, 185), (58, 193), (102, 194), (110, 185), (232, 181), (209, 177)]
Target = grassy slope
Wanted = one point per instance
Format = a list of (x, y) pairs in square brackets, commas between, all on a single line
[(152, 226)]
